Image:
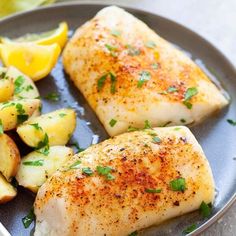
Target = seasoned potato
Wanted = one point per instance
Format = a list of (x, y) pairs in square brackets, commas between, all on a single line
[(15, 112), (54, 128), (6, 86), (36, 167), (7, 191), (24, 87), (9, 157)]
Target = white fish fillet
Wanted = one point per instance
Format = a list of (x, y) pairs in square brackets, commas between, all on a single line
[(116, 42), (72, 203)]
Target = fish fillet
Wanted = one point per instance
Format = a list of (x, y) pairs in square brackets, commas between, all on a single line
[(72, 202), (129, 74)]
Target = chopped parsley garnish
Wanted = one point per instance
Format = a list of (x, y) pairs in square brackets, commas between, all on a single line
[(144, 77), (183, 120), (33, 163), (7, 104), (112, 49), (115, 32), (149, 190), (105, 171), (178, 184), (21, 117), (154, 66), (232, 122), (112, 122), (2, 75), (29, 87), (156, 139), (135, 233), (55, 97), (132, 51), (87, 171), (131, 129), (188, 95), (75, 165), (36, 126), (79, 149), (147, 125), (43, 146), (190, 229), (102, 80), (113, 83), (18, 84), (1, 127), (150, 44), (28, 219), (172, 89), (205, 209), (62, 114)]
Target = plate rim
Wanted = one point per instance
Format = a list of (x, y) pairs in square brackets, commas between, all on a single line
[(232, 200)]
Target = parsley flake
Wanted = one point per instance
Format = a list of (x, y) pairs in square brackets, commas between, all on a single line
[(28, 219), (55, 97), (87, 171), (18, 84), (154, 66), (105, 171), (190, 92), (205, 209), (62, 114), (115, 32), (75, 165), (149, 190), (101, 82), (36, 126), (232, 122), (112, 122), (1, 127), (190, 229), (135, 233), (132, 51), (150, 44), (178, 184), (33, 163), (172, 89), (79, 149), (144, 77), (156, 139), (147, 125)]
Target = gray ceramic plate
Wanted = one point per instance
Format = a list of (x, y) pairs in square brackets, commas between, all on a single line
[(215, 135)]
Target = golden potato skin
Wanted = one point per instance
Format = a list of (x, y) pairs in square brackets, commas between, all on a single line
[(9, 157), (32, 177), (6, 89), (9, 111), (27, 89), (57, 125), (7, 191)]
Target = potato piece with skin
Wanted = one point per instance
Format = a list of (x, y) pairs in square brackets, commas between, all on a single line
[(36, 167), (7, 191), (9, 157), (6, 86), (24, 86), (57, 126), (13, 112)]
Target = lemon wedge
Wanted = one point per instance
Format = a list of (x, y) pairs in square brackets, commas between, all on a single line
[(34, 60), (59, 36)]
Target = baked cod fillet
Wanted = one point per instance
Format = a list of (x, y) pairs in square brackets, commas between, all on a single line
[(129, 74), (124, 184)]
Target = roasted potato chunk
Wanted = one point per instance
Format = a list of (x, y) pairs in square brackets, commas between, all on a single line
[(54, 128), (24, 87), (36, 167), (7, 191), (13, 113), (9, 157), (6, 86)]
